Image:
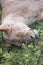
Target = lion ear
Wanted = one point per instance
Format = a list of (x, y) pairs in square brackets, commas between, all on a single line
[(5, 27)]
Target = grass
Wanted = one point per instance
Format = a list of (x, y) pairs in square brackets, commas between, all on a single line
[(31, 54)]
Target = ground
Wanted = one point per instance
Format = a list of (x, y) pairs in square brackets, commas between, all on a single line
[(31, 54)]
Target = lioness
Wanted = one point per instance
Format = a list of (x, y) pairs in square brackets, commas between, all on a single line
[(17, 15)]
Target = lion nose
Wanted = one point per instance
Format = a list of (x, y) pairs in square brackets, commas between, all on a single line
[(36, 34)]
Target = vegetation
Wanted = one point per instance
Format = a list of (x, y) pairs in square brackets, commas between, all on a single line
[(31, 54)]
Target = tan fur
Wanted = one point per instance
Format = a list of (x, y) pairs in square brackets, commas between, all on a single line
[(19, 14)]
